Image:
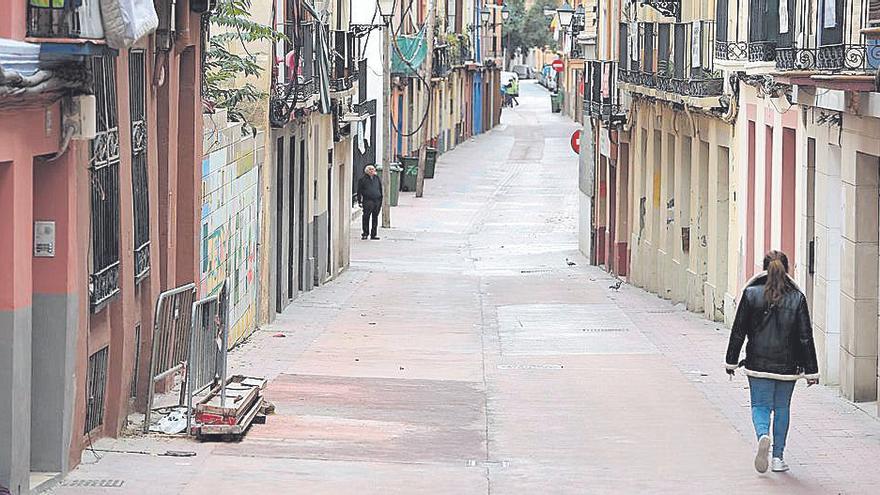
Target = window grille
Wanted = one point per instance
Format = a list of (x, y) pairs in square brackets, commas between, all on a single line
[(95, 387), (139, 181), (104, 174)]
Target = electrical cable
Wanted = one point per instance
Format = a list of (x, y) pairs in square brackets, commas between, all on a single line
[(424, 83)]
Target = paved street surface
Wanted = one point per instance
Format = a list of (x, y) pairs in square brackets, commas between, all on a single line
[(464, 354)]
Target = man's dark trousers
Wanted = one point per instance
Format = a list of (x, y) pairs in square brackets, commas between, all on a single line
[(370, 220)]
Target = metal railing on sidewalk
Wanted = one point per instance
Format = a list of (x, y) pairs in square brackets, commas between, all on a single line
[(172, 330), (207, 352)]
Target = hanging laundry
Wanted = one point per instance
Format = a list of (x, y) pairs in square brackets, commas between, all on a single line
[(783, 16), (830, 15), (360, 137), (606, 80)]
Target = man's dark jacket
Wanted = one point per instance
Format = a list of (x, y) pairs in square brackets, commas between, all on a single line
[(369, 188), (780, 337)]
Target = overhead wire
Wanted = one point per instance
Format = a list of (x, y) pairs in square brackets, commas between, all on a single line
[(424, 83)]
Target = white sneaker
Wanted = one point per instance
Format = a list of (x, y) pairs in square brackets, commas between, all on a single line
[(779, 466), (763, 454)]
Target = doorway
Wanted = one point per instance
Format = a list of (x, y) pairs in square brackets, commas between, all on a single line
[(291, 223)]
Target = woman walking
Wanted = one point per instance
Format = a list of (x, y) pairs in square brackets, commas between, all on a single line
[(773, 315)]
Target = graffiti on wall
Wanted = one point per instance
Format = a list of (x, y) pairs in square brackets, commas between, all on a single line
[(229, 220)]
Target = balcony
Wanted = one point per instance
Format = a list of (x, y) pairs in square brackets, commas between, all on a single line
[(602, 98), (755, 41), (344, 67), (293, 81), (841, 41), (671, 60), (441, 66), (57, 20)]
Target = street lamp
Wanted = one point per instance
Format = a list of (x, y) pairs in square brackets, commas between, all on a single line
[(386, 8), (484, 15), (566, 12), (505, 13), (579, 19)]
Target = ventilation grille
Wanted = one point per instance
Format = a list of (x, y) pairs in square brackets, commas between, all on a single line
[(95, 387)]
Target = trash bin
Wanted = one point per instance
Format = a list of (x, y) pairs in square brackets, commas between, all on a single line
[(394, 188), (556, 102), (410, 173), (430, 162)]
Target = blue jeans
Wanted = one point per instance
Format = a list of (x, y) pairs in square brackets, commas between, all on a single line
[(771, 396)]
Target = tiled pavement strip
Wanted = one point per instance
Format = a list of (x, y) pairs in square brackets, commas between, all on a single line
[(463, 354)]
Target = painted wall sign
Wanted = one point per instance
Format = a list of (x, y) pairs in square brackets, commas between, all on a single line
[(576, 141)]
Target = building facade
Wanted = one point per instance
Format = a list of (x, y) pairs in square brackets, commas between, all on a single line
[(99, 146), (725, 130), (318, 142)]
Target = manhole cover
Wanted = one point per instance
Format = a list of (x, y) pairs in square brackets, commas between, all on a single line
[(529, 366), (94, 483)]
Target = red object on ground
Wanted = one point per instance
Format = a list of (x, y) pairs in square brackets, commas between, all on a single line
[(215, 419), (558, 65), (576, 142)]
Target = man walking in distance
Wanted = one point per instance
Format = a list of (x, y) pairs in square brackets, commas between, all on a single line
[(369, 197)]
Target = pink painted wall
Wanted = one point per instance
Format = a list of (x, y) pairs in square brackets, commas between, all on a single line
[(750, 204), (788, 194)]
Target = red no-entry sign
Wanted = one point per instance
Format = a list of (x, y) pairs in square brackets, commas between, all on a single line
[(558, 65), (576, 142)]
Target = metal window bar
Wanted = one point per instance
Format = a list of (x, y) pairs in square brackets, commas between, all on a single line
[(104, 167), (171, 334), (206, 367), (96, 386), (139, 179)]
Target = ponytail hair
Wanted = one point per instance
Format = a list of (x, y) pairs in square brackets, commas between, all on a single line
[(776, 266)]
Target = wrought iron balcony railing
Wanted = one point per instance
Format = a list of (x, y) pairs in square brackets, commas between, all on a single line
[(602, 97), (698, 87), (60, 19), (441, 66), (675, 58)]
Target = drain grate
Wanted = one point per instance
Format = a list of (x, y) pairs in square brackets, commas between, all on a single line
[(604, 330), (537, 270), (529, 366), (94, 483)]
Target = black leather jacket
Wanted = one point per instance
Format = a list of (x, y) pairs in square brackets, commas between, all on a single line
[(780, 337)]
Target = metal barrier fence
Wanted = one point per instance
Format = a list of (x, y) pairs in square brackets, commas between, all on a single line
[(172, 330), (206, 367)]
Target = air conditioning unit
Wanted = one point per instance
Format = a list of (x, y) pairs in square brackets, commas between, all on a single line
[(81, 115)]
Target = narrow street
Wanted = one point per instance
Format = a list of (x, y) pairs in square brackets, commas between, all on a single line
[(473, 350)]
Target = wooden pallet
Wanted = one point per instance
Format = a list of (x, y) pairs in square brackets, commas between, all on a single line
[(243, 401)]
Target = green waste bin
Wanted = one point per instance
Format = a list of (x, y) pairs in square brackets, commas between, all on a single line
[(430, 162), (410, 173), (394, 188), (556, 102)]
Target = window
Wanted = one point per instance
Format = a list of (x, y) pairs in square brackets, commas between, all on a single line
[(96, 384), (139, 181), (104, 175)]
